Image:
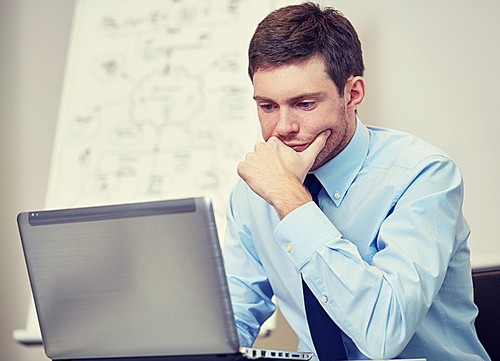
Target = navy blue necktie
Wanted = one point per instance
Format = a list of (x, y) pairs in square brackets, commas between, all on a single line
[(324, 332)]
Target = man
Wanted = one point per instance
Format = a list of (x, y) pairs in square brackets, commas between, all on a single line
[(382, 247)]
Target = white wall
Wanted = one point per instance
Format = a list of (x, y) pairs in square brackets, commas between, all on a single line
[(432, 69), (33, 42)]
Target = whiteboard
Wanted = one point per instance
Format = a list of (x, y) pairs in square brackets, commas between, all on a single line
[(156, 104)]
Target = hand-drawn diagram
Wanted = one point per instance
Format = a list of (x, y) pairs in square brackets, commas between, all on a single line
[(156, 102)]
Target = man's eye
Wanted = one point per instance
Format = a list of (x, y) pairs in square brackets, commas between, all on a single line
[(306, 104), (266, 106)]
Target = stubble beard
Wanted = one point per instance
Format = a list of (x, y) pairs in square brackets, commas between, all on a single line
[(336, 142)]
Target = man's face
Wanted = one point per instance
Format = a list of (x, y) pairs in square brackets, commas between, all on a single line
[(297, 102)]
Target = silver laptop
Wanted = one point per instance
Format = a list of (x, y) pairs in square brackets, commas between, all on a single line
[(130, 282)]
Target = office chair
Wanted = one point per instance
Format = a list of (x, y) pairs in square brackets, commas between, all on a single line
[(487, 298)]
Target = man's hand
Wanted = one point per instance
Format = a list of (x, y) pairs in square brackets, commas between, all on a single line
[(276, 172)]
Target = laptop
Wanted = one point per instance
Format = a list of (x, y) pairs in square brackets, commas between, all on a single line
[(130, 282)]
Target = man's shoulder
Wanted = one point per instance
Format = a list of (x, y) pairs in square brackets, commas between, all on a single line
[(395, 148)]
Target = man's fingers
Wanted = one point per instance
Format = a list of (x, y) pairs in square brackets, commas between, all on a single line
[(316, 146)]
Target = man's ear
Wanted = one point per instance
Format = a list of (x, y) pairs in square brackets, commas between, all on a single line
[(354, 92)]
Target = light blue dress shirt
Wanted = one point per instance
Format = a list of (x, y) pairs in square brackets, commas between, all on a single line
[(386, 254)]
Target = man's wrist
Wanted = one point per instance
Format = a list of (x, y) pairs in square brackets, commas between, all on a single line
[(287, 201)]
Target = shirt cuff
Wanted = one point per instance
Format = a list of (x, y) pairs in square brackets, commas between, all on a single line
[(303, 231)]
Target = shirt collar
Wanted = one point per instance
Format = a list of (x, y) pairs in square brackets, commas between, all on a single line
[(337, 175)]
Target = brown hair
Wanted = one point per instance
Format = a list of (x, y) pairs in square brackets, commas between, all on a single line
[(296, 33)]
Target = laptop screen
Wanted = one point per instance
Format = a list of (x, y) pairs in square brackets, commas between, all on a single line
[(143, 279)]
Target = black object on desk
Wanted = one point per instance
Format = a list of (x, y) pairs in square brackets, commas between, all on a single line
[(486, 297)]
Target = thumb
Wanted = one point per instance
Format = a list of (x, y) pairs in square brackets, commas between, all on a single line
[(310, 154)]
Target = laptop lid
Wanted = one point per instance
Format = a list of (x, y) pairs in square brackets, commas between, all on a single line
[(120, 281)]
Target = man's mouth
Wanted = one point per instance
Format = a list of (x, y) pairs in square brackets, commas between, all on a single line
[(298, 147)]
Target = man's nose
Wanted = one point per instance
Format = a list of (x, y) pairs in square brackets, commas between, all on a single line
[(287, 123)]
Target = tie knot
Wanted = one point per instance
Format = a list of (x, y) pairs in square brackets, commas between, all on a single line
[(313, 185)]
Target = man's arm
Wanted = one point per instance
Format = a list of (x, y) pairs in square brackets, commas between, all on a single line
[(380, 303), (275, 172), (251, 292)]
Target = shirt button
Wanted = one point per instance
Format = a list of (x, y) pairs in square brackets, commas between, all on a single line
[(336, 195), (288, 248), (324, 299)]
